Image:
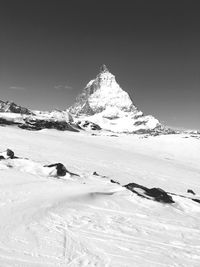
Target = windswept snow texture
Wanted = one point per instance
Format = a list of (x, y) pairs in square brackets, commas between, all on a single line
[(105, 103), (87, 220)]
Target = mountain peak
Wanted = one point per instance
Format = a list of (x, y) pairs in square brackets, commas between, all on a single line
[(103, 69), (105, 103), (100, 94)]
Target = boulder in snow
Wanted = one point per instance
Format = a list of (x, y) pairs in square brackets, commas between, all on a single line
[(60, 169), (190, 191), (7, 154), (157, 194)]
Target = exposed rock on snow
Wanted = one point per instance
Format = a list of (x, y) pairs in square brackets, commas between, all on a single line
[(105, 103), (95, 173), (7, 154), (9, 160), (60, 120), (190, 191), (157, 194), (196, 200), (38, 124), (159, 130), (60, 169), (88, 125), (114, 182), (6, 122)]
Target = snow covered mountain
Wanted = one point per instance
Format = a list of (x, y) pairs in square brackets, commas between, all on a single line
[(105, 103)]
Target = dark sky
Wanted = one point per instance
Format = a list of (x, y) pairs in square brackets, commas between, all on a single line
[(49, 50)]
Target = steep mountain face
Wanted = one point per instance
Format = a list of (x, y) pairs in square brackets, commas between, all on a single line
[(105, 103), (13, 108), (100, 94)]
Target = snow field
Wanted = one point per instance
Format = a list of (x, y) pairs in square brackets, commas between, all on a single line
[(87, 220)]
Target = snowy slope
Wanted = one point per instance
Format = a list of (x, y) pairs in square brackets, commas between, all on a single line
[(87, 220), (105, 103), (59, 115)]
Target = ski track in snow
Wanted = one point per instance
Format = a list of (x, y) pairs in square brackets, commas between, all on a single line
[(88, 221)]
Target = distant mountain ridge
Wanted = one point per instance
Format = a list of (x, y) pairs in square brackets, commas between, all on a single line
[(13, 114), (13, 108)]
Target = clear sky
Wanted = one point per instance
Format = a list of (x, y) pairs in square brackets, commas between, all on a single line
[(50, 49)]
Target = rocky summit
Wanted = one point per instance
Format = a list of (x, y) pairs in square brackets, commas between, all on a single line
[(105, 103), (101, 94)]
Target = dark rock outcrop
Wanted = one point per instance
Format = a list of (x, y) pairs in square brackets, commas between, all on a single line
[(89, 125), (114, 182), (157, 194), (159, 130), (196, 200), (6, 122), (190, 191), (103, 68), (60, 168), (10, 153), (57, 169), (35, 124), (7, 154), (33, 121), (95, 173)]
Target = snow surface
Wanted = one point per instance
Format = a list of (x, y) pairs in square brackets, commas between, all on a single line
[(87, 220)]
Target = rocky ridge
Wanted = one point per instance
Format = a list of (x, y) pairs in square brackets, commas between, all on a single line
[(12, 114), (13, 108)]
